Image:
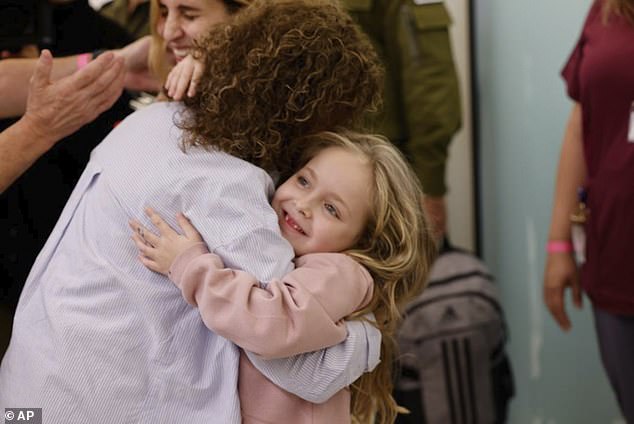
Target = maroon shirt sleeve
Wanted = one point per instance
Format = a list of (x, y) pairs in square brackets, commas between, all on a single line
[(570, 71)]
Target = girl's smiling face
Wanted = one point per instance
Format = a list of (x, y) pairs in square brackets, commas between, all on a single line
[(182, 21), (325, 206)]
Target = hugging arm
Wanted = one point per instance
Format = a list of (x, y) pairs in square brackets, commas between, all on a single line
[(317, 376), (314, 376), (301, 312)]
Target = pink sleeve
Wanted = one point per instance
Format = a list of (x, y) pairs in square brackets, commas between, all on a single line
[(300, 313)]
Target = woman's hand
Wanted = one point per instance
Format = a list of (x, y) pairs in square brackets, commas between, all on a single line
[(55, 109), (183, 78), (561, 273), (158, 252)]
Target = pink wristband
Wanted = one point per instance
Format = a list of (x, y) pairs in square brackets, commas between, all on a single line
[(83, 59), (559, 246)]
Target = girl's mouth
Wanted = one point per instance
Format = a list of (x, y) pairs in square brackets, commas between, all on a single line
[(291, 223)]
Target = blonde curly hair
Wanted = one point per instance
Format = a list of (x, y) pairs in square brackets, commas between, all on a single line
[(280, 69), (397, 248)]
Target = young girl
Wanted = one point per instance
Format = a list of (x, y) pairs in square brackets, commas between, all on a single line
[(355, 197)]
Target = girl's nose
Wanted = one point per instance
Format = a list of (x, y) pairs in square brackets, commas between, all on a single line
[(303, 207)]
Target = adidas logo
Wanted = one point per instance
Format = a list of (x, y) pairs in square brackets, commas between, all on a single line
[(449, 315)]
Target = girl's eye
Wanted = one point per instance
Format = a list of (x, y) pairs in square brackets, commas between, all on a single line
[(189, 17), (163, 12), (302, 181), (331, 210)]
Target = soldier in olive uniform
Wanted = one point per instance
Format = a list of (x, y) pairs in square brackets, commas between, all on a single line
[(422, 100)]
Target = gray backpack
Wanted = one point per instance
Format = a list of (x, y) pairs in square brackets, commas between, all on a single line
[(453, 364)]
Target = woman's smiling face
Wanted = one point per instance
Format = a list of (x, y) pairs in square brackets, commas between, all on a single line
[(325, 206), (183, 21)]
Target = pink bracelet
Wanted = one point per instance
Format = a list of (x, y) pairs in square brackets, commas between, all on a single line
[(83, 59), (559, 246)]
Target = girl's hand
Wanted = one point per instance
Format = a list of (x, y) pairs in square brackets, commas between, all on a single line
[(183, 78), (157, 252)]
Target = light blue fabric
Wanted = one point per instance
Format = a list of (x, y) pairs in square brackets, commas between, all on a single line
[(98, 338)]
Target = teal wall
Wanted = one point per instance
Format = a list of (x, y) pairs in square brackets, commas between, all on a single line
[(520, 49)]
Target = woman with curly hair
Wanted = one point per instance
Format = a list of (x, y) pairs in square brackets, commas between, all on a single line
[(98, 334), (320, 84), (353, 216)]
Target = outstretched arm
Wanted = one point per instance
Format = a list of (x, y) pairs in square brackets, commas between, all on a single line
[(57, 109), (16, 73), (14, 80)]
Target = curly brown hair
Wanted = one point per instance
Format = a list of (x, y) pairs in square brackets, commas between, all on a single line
[(278, 70)]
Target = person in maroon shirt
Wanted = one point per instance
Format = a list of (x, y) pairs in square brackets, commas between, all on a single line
[(597, 155)]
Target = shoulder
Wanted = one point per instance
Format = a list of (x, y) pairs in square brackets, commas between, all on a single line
[(145, 135), (155, 120), (337, 263), (156, 108)]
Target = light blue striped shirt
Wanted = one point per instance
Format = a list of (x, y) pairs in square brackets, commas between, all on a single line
[(98, 338)]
